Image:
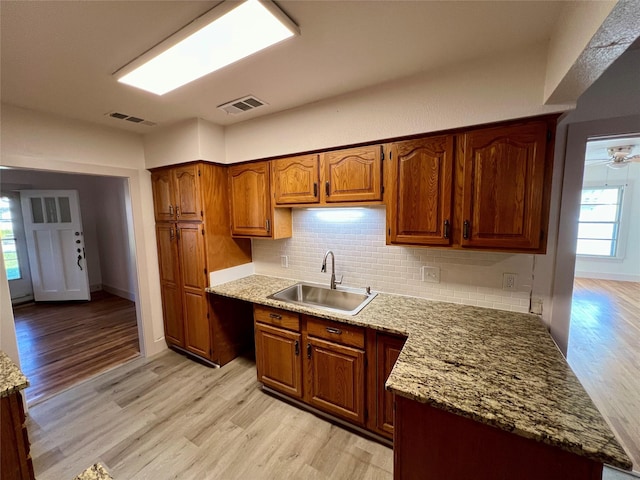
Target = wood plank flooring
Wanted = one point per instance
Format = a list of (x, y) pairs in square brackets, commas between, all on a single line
[(604, 352), (169, 417), (63, 343)]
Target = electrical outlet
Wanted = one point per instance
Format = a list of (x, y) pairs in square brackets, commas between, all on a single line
[(284, 261), (431, 274), (509, 281)]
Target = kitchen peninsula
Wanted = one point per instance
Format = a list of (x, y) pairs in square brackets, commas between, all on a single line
[(500, 398)]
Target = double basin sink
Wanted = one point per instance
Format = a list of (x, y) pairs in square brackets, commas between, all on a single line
[(345, 301)]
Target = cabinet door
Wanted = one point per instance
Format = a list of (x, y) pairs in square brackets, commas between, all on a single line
[(503, 180), (163, 200), (278, 359), (167, 240), (335, 379), (250, 199), (353, 175), (188, 205), (296, 180), (387, 351), (421, 188), (194, 281)]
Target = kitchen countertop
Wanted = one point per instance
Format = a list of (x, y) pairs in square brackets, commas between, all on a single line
[(11, 378), (496, 367), (94, 472)]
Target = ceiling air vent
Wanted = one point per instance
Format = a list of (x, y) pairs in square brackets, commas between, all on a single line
[(241, 105), (130, 118)]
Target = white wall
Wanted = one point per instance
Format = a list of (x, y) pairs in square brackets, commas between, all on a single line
[(116, 263), (608, 107), (89, 200), (46, 142), (476, 92), (626, 268), (357, 238), (193, 139)]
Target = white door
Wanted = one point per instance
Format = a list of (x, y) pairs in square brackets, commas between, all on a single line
[(53, 229)]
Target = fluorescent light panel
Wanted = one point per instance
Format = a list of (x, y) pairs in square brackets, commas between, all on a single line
[(226, 37)]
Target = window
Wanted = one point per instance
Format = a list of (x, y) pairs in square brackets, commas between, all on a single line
[(9, 251), (599, 224)]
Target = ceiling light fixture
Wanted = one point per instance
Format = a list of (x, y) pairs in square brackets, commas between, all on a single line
[(222, 36)]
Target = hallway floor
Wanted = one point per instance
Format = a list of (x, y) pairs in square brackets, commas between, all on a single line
[(604, 352), (64, 343)]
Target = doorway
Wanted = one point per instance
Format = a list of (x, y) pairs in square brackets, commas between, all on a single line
[(605, 312), (64, 343)]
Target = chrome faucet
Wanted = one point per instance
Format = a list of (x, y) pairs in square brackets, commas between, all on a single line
[(333, 269)]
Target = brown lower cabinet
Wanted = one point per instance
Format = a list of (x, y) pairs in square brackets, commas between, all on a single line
[(338, 368), (430, 442), (15, 460)]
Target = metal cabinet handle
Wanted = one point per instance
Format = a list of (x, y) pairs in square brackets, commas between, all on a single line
[(315, 189), (171, 210), (177, 211), (276, 316), (177, 233), (296, 347), (465, 230), (446, 229), (336, 331), (171, 234), (326, 188), (268, 225), (308, 350)]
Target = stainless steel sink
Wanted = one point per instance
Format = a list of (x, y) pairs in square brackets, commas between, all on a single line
[(344, 301)]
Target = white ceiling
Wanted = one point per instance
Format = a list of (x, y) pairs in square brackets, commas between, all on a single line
[(596, 150), (59, 56)]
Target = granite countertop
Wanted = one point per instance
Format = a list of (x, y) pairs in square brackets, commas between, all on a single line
[(11, 378), (496, 367), (94, 472)]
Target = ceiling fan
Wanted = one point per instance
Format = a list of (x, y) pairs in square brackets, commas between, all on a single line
[(619, 157)]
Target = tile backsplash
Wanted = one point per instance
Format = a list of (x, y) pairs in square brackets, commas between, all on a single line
[(357, 238)]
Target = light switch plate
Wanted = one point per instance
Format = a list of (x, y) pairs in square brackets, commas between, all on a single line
[(431, 274), (284, 261)]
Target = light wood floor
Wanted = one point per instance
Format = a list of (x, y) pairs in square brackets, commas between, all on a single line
[(63, 343), (604, 352), (170, 417)]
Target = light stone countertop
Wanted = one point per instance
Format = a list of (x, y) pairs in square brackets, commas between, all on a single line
[(11, 378), (496, 367), (94, 472)]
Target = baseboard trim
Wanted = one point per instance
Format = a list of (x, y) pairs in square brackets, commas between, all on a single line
[(119, 292)]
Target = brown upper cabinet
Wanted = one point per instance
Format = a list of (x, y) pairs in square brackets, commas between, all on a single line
[(296, 180), (486, 188), (419, 204), (252, 209), (353, 174), (503, 172), (177, 193), (336, 177)]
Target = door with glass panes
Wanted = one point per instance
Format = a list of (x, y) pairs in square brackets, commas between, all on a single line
[(55, 242)]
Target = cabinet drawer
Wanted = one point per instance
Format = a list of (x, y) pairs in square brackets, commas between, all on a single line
[(277, 317), (336, 332)]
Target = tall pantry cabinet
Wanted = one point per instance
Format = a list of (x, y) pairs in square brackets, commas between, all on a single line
[(193, 238)]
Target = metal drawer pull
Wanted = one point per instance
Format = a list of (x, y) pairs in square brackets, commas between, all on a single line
[(297, 348), (276, 316), (177, 211), (315, 189), (326, 188), (446, 229), (308, 350), (171, 210), (465, 229), (334, 330)]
